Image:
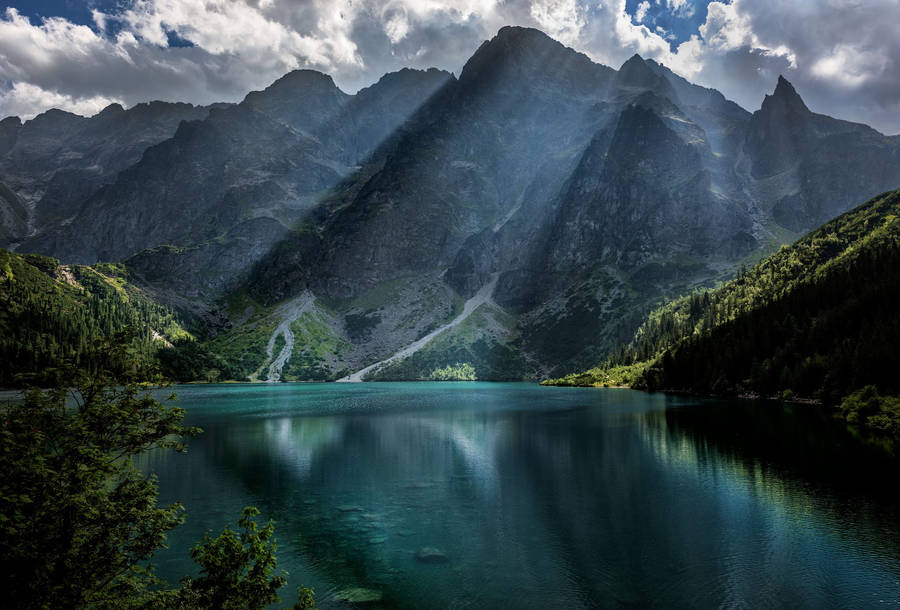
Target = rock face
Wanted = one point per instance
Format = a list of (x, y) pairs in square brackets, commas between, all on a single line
[(810, 167), (591, 193), (250, 170), (55, 161)]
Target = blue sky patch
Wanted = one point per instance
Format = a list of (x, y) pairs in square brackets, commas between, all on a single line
[(79, 12), (677, 21), (76, 11)]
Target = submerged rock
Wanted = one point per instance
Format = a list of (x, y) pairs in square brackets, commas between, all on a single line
[(359, 596), (430, 554)]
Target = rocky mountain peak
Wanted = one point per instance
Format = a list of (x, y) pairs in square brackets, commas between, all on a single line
[(636, 73), (636, 66), (52, 118), (533, 59), (301, 79), (785, 100), (408, 76), (111, 110), (9, 131), (302, 99)]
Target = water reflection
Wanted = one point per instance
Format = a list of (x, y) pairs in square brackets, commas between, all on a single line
[(544, 497)]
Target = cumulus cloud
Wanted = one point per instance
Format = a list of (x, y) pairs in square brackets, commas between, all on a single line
[(23, 98), (683, 9), (641, 11), (844, 60), (561, 19)]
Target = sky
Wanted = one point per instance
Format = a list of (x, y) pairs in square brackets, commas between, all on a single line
[(843, 56)]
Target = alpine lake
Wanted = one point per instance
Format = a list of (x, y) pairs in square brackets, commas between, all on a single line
[(513, 495)]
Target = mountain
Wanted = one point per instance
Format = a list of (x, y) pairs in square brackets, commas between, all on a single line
[(522, 218), (224, 189), (58, 159), (304, 100), (817, 318), (810, 167)]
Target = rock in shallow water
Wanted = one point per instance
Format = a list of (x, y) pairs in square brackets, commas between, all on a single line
[(359, 596), (430, 554)]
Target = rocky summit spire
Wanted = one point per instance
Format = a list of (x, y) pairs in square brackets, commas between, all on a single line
[(636, 73), (785, 99), (526, 57)]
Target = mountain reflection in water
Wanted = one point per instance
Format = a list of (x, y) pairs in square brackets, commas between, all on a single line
[(541, 496)]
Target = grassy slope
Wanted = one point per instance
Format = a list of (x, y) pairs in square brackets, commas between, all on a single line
[(485, 341)]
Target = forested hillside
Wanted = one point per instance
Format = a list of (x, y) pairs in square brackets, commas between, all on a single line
[(52, 313), (816, 319)]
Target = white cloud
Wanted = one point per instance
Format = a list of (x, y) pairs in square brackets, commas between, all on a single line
[(25, 101), (729, 27), (396, 24), (843, 60), (561, 19), (99, 19), (849, 66), (229, 27), (641, 11), (680, 8)]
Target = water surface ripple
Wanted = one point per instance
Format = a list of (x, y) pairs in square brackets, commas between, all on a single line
[(479, 495)]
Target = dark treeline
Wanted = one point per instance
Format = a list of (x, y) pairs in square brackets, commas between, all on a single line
[(826, 338)]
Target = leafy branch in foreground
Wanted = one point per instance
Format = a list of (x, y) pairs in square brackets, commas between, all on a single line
[(78, 521), (237, 570)]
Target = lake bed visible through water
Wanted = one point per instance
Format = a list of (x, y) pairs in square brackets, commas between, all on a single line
[(484, 495)]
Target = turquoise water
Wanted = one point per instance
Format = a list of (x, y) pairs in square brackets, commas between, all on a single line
[(541, 497)]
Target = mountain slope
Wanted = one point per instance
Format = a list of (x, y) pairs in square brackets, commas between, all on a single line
[(472, 184), (225, 189), (55, 161), (810, 167), (591, 194), (209, 176), (817, 318)]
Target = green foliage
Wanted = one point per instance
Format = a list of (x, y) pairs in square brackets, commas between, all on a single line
[(606, 377), (242, 351), (315, 345), (456, 372), (77, 517), (867, 408), (189, 360), (237, 569), (78, 521), (51, 314)]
